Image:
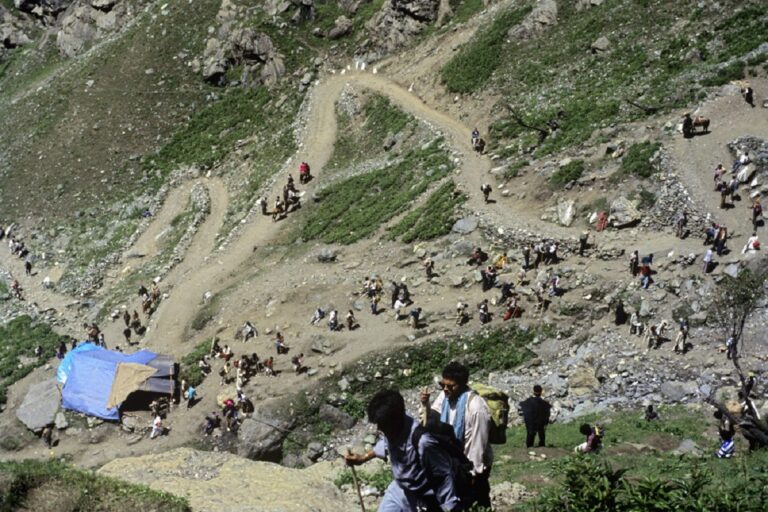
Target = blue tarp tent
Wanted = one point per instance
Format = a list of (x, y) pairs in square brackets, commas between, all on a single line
[(88, 373)]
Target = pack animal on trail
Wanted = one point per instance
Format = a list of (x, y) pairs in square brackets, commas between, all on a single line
[(690, 125), (701, 121)]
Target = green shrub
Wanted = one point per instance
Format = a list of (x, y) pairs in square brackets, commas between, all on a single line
[(354, 208), (726, 74), (514, 169), (567, 173), (647, 199), (189, 370), (637, 160), (19, 338), (379, 479), (431, 220), (473, 66), (590, 483)]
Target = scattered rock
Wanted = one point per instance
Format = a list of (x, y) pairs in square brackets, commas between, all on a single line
[(262, 438), (336, 416), (566, 211), (40, 405), (601, 45), (465, 226)]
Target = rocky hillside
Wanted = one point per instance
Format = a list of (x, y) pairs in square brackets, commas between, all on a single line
[(140, 140)]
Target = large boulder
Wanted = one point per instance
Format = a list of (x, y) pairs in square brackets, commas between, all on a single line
[(13, 31), (566, 211), (261, 437), (582, 380), (336, 417), (465, 226), (236, 43), (398, 21), (40, 405), (42, 7), (341, 27), (543, 16), (623, 213), (676, 391), (88, 21)]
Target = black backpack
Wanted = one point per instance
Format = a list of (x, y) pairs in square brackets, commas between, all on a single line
[(446, 439)]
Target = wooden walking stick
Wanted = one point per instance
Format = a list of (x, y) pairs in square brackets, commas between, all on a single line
[(357, 484), (424, 412)]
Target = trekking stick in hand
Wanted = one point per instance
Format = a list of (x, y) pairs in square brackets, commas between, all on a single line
[(357, 484), (424, 412)]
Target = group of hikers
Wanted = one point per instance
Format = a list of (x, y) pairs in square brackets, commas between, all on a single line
[(291, 197), (19, 249)]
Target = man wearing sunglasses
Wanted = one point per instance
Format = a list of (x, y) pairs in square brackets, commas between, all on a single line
[(470, 417)]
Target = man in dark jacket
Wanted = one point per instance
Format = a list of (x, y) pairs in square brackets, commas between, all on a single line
[(535, 411)]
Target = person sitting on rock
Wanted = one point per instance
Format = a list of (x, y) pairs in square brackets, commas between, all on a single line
[(298, 364), (461, 313), (726, 430), (478, 257), (204, 365), (249, 331), (414, 315), (594, 439), (483, 313)]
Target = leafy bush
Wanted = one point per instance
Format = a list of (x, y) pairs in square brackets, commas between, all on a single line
[(19, 337), (513, 170), (379, 479), (80, 490), (637, 160), (356, 207), (567, 173), (189, 370), (473, 66), (647, 199), (591, 484), (726, 74), (435, 218)]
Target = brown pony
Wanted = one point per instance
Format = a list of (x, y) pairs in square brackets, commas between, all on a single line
[(701, 121)]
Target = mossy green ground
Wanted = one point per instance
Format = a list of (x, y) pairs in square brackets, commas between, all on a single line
[(54, 485), (19, 338)]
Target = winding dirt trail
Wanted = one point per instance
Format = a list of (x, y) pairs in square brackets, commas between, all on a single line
[(204, 270)]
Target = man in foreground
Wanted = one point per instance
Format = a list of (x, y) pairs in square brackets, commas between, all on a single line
[(425, 474), (470, 417)]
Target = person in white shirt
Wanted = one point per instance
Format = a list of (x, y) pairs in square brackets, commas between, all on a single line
[(752, 244), (470, 417), (157, 427)]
